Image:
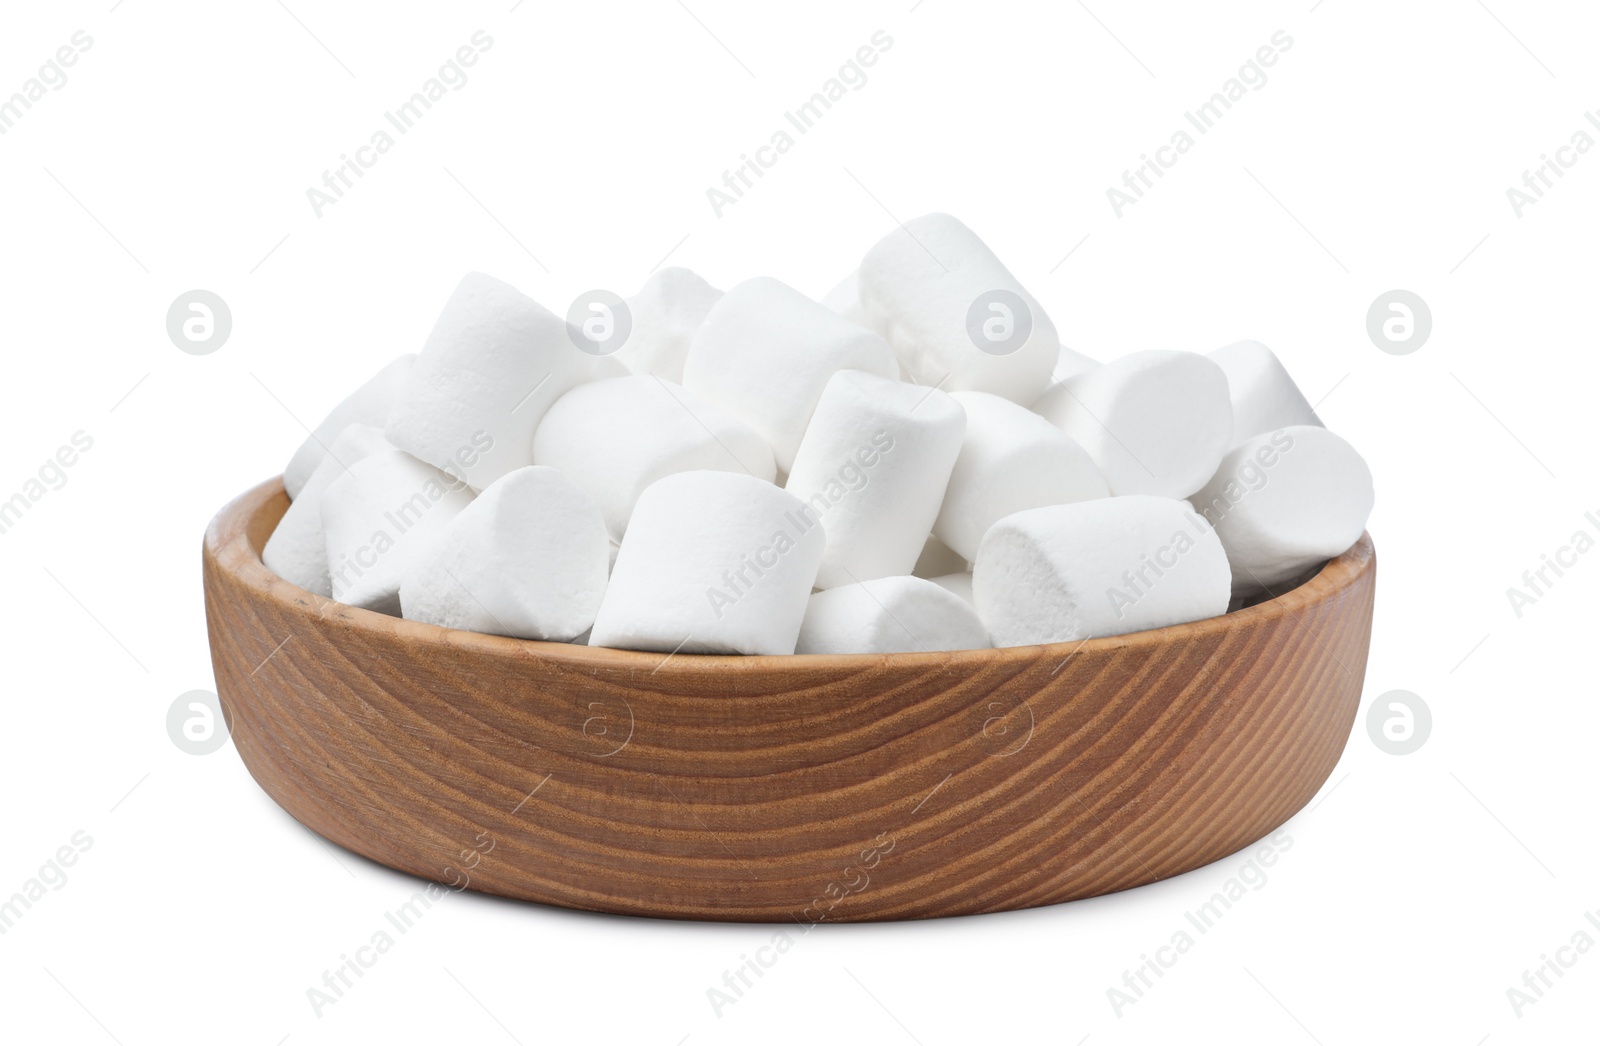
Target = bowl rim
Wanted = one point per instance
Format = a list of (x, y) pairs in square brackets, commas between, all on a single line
[(228, 540)]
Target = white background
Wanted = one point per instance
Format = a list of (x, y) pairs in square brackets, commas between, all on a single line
[(177, 156)]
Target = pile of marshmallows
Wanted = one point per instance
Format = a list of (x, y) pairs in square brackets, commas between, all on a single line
[(914, 464)]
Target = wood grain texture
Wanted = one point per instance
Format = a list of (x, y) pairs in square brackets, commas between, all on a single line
[(776, 789)]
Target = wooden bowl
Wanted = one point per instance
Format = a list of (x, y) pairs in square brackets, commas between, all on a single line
[(777, 789)]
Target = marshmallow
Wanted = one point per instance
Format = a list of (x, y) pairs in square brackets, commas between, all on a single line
[(956, 317), (960, 584), (936, 559), (1156, 422), (368, 405), (873, 467), (713, 563), (889, 615), (845, 299), (1100, 568), (377, 517), (765, 352), (297, 551), (1011, 459), (492, 366), (1264, 397), (616, 437), (526, 559), (1285, 501), (665, 313), (1070, 364)]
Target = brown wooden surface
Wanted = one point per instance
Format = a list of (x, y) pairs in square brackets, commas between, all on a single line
[(811, 788)]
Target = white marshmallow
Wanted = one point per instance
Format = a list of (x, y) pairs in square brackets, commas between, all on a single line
[(938, 559), (845, 299), (377, 517), (1011, 459), (925, 287), (494, 362), (713, 563), (959, 583), (889, 615), (526, 559), (873, 468), (1100, 568), (1156, 422), (616, 437), (1070, 364), (297, 551), (1285, 501), (368, 405), (765, 352), (1264, 397), (665, 313)]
